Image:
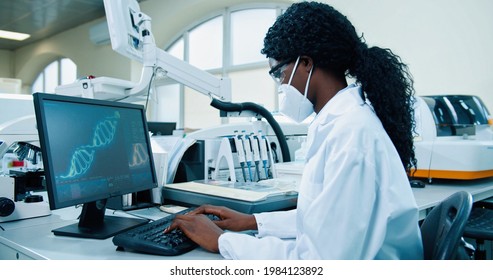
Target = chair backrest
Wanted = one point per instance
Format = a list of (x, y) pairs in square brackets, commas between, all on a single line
[(443, 227)]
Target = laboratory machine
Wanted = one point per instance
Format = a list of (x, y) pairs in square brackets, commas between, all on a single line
[(454, 138)]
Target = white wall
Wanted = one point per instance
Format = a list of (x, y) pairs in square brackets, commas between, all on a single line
[(6, 64), (447, 43)]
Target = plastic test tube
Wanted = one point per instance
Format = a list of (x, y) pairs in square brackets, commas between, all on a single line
[(256, 153), (263, 152), (248, 152), (241, 153)]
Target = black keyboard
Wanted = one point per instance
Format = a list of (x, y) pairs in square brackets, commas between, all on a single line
[(150, 239)]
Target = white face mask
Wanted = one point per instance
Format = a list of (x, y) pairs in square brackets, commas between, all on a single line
[(292, 103)]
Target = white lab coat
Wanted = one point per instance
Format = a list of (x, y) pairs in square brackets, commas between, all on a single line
[(354, 202)]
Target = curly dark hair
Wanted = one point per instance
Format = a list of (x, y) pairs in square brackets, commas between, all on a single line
[(319, 31)]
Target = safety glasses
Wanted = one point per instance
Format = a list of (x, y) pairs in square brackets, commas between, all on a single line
[(277, 72)]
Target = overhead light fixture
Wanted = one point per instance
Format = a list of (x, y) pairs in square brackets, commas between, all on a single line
[(13, 35)]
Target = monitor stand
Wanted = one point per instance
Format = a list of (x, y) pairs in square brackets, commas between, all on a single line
[(93, 223)]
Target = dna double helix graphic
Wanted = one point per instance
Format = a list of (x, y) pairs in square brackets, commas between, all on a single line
[(83, 156), (139, 155)]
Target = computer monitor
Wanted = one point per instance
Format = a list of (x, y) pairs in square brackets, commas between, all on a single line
[(93, 150), (123, 25), (161, 128)]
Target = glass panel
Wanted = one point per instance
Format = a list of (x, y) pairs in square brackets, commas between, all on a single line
[(177, 49), (38, 84), (198, 113), (51, 77), (206, 44), (248, 29), (68, 71), (457, 114), (457, 109), (167, 106), (254, 86)]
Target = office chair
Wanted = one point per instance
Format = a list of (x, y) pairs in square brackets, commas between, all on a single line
[(443, 227), (480, 227)]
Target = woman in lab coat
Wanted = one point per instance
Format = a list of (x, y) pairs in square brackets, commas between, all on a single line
[(355, 201)]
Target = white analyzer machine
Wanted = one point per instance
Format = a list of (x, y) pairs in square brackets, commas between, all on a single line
[(454, 138)]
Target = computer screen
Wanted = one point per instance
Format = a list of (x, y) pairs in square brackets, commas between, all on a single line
[(93, 150)]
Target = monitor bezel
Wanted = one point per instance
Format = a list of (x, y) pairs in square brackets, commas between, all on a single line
[(39, 99)]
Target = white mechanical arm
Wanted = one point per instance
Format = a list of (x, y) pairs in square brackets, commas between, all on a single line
[(155, 59), (131, 36)]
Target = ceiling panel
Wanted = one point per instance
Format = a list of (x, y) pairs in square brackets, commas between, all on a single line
[(45, 18)]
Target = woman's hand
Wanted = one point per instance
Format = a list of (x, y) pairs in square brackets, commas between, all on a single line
[(229, 219), (205, 232), (199, 228)]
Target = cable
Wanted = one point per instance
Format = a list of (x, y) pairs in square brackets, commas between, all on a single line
[(151, 80), (149, 88), (115, 211)]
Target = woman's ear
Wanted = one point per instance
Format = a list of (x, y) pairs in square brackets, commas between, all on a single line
[(306, 62)]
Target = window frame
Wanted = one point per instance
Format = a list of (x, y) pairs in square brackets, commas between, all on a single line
[(42, 73)]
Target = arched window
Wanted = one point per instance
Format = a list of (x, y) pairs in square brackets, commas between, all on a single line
[(227, 44), (59, 72)]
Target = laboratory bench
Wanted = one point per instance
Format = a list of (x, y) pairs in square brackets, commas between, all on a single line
[(33, 239), (434, 193)]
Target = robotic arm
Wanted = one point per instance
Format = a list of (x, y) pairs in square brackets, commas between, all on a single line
[(131, 36), (138, 43)]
